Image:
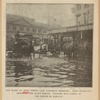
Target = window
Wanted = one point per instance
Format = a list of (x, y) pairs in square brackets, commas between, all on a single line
[(78, 6), (86, 18), (91, 17), (28, 29), (78, 23), (78, 19), (44, 31), (86, 5), (39, 30), (14, 27), (21, 28), (34, 29)]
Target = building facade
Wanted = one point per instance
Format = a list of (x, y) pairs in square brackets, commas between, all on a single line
[(83, 13), (25, 26), (83, 30)]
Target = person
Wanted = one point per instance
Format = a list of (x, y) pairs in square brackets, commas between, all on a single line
[(32, 51), (17, 36), (41, 43)]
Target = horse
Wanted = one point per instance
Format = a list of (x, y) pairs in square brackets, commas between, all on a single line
[(26, 48), (84, 50), (23, 48), (68, 50), (41, 50)]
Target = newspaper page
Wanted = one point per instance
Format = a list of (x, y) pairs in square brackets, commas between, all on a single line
[(50, 50)]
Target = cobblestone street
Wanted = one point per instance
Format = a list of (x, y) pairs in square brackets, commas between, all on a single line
[(48, 72)]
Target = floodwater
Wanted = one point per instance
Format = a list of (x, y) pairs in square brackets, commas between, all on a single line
[(48, 72)]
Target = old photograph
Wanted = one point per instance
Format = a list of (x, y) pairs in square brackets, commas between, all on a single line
[(49, 45)]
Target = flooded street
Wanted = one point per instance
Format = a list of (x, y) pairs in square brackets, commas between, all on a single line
[(48, 72)]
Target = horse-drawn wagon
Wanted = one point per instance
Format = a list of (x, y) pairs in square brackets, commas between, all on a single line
[(59, 43), (26, 46), (71, 44)]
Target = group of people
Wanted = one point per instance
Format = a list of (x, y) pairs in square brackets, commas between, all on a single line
[(69, 48), (28, 48)]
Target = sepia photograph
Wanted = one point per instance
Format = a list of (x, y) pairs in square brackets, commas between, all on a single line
[(49, 45)]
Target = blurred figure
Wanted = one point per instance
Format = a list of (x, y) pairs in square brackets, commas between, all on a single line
[(17, 36), (32, 50)]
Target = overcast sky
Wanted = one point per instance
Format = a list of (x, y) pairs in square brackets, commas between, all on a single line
[(62, 13)]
